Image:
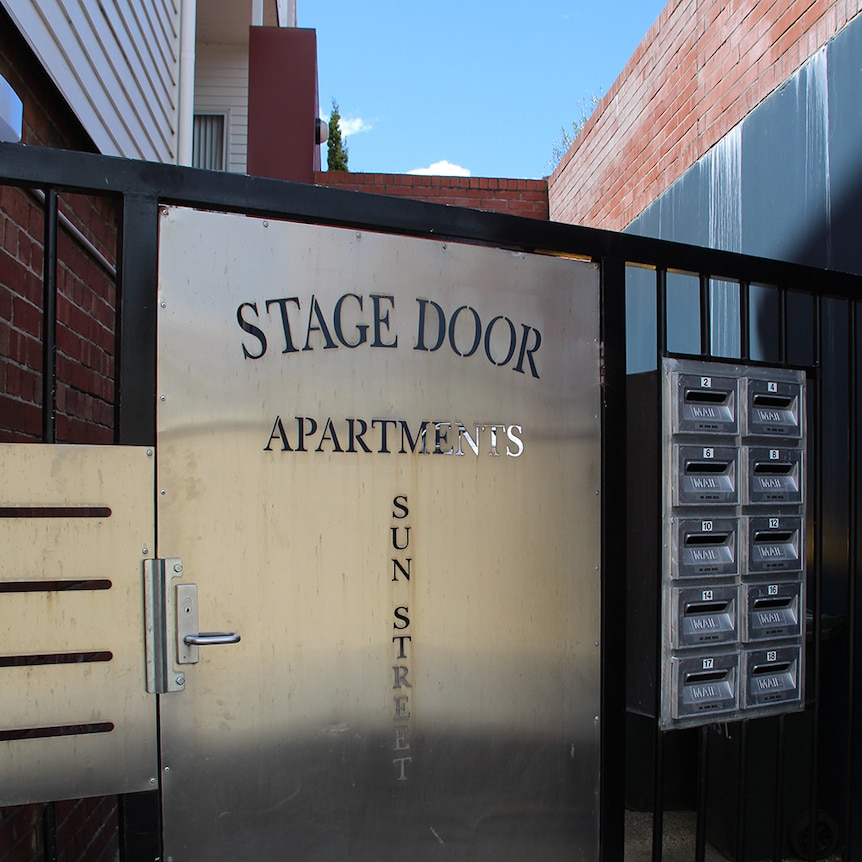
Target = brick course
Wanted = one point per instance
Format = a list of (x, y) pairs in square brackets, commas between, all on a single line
[(527, 198), (86, 296), (702, 67)]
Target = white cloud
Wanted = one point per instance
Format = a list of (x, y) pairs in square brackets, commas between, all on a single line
[(354, 126), (349, 126), (442, 169)]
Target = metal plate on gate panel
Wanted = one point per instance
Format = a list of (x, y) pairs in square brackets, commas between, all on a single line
[(75, 718), (379, 463)]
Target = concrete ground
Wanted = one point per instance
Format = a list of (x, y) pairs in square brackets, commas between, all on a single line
[(679, 839)]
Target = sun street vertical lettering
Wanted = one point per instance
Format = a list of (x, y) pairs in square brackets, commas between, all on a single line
[(401, 641)]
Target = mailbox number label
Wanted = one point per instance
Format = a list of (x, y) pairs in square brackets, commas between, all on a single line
[(708, 663), (771, 655), (709, 453), (774, 454), (773, 523), (772, 590), (706, 526), (706, 382), (707, 595), (772, 387)]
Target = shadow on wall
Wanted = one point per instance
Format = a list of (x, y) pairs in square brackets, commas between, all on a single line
[(837, 240)]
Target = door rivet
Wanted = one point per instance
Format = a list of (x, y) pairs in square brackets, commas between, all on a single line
[(178, 567), (181, 680)]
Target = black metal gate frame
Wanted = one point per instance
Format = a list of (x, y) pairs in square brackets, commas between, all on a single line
[(141, 188)]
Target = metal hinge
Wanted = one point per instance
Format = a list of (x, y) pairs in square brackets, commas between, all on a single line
[(172, 633)]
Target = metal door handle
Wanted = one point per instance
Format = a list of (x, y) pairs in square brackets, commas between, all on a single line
[(211, 638)]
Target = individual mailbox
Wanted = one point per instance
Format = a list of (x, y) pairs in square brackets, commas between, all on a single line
[(705, 547), (703, 616), (774, 544), (705, 475), (705, 685), (774, 475), (706, 404), (772, 676), (772, 610), (774, 408)]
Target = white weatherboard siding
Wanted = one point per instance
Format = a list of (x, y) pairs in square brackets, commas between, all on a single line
[(221, 87), (115, 62)]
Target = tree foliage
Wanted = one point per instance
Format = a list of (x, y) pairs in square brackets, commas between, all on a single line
[(567, 136), (336, 149)]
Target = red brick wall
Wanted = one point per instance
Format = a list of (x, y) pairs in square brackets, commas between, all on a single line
[(515, 197), (21, 833), (86, 829), (85, 301), (703, 66)]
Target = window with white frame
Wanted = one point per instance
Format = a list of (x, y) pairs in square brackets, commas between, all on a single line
[(209, 141)]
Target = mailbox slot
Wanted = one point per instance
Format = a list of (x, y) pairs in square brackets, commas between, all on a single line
[(704, 616), (774, 545), (772, 611), (705, 685), (772, 676), (773, 408), (705, 547), (706, 475), (707, 404), (774, 476)]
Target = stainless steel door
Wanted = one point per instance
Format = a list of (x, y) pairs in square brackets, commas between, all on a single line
[(378, 460)]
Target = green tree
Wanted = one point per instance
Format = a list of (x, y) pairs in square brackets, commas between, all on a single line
[(567, 136), (336, 151)]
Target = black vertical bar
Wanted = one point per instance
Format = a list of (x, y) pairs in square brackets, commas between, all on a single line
[(658, 794), (661, 311), (135, 420), (853, 515), (741, 782), (782, 325), (778, 814), (613, 642), (702, 793), (814, 657), (658, 749), (140, 826), (49, 321), (49, 832), (705, 317), (854, 764), (744, 322), (140, 816)]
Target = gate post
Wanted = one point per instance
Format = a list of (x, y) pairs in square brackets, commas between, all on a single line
[(137, 290), (613, 646), (139, 814)]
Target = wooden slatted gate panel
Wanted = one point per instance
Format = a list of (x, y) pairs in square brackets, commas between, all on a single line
[(75, 717)]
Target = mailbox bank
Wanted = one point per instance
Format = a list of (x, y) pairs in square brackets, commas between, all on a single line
[(716, 555)]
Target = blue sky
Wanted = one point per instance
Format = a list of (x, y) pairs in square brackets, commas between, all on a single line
[(483, 86)]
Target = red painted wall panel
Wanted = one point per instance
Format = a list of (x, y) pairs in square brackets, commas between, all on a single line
[(282, 103)]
